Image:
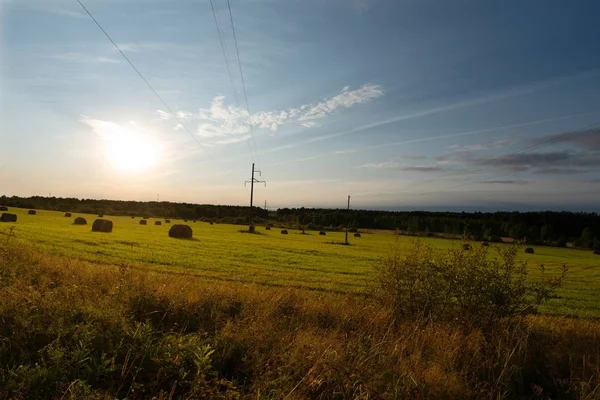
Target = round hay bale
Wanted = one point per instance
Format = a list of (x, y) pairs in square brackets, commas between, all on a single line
[(3, 208), (80, 221), (485, 244), (357, 234), (185, 220), (102, 225), (211, 222), (267, 228), (67, 214), (6, 217), (322, 233), (466, 246), (32, 212), (143, 222), (284, 232), (180, 231), (132, 217), (167, 221), (194, 221), (529, 250), (596, 252), (100, 215), (157, 223)]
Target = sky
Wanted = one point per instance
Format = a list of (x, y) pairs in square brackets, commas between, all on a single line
[(404, 104)]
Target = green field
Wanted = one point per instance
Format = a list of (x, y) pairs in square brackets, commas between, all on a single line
[(222, 253)]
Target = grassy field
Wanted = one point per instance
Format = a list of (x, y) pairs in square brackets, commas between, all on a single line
[(307, 261)]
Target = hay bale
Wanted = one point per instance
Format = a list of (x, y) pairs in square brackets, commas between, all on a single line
[(211, 222), (267, 228), (143, 222), (181, 231), (529, 250), (466, 246), (485, 244), (67, 214), (3, 208), (32, 212), (167, 221), (157, 223), (132, 217), (100, 215), (6, 217), (284, 232), (194, 221), (357, 234), (185, 220), (322, 233), (102, 225), (596, 252), (80, 221)]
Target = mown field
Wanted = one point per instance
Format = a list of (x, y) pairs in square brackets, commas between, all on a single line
[(221, 253)]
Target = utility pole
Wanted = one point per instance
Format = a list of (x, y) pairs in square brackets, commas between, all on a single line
[(252, 181), (348, 220)]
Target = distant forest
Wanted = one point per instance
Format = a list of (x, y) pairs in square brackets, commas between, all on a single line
[(548, 227)]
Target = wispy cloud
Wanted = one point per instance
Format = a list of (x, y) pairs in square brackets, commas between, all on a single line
[(554, 162), (587, 139), (220, 120), (482, 146), (400, 167), (506, 182)]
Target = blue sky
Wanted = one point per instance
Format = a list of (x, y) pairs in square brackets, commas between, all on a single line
[(401, 104)]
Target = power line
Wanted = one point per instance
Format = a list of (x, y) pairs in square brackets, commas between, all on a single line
[(224, 50), (158, 96), (237, 50)]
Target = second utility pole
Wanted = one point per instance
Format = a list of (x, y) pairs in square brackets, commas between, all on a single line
[(252, 181), (348, 219)]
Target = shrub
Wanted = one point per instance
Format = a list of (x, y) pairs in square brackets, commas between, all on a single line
[(102, 225), (157, 223), (143, 222), (284, 232), (31, 212), (312, 227), (181, 231), (80, 221), (485, 244), (562, 242), (529, 250), (467, 287), (467, 246), (67, 214), (6, 217)]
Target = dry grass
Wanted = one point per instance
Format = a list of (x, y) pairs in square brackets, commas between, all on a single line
[(79, 330)]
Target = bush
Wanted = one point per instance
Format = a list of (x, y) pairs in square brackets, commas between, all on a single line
[(312, 227), (467, 287), (485, 244)]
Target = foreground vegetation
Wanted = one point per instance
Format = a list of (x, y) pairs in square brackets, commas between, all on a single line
[(71, 329)]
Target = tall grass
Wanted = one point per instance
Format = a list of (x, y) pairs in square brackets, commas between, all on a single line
[(74, 330)]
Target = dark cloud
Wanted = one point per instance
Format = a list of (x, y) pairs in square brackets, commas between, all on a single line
[(556, 162), (422, 168), (588, 139), (508, 182)]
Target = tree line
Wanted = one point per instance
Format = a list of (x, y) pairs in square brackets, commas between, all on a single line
[(547, 227)]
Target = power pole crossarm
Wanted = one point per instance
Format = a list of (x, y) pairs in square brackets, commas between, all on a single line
[(252, 181)]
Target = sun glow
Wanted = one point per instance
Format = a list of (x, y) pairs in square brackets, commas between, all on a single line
[(130, 151)]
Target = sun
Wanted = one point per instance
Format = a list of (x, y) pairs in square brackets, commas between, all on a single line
[(130, 151)]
